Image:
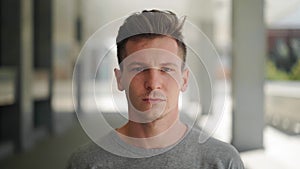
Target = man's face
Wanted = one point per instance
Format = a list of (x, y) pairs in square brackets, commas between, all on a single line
[(152, 78)]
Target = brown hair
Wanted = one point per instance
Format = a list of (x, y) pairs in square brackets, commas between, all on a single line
[(150, 24)]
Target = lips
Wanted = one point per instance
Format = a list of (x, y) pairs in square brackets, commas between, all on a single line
[(154, 100)]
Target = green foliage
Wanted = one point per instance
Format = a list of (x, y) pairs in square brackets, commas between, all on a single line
[(295, 73), (275, 74)]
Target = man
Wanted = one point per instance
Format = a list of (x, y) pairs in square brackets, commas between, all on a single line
[(151, 55)]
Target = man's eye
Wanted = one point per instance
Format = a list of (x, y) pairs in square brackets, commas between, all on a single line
[(138, 69), (166, 69)]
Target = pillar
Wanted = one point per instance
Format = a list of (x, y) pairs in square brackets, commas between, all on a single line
[(248, 65)]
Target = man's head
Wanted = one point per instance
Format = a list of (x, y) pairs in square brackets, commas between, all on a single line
[(150, 24), (151, 57)]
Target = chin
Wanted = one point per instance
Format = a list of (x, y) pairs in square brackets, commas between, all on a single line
[(146, 116)]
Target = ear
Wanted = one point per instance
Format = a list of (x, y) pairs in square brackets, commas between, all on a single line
[(118, 75), (185, 79)]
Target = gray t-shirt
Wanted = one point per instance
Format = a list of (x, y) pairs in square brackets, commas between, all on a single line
[(188, 153)]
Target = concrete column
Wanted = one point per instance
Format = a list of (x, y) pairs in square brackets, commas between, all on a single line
[(248, 40), (26, 72), (16, 53), (79, 32)]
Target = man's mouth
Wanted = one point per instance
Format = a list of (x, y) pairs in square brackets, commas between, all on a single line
[(154, 100)]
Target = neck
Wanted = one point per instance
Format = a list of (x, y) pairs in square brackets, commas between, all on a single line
[(156, 134)]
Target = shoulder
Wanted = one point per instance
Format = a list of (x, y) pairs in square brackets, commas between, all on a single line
[(223, 154), (84, 156), (91, 154), (214, 152), (80, 156)]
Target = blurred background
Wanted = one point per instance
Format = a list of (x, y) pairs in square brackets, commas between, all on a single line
[(259, 47)]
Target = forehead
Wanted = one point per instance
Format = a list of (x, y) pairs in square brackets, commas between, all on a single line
[(163, 42), (153, 57)]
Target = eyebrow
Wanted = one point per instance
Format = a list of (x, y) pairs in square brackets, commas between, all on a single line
[(169, 64), (143, 64), (136, 63)]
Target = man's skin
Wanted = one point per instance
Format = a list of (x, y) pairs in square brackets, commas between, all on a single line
[(152, 86)]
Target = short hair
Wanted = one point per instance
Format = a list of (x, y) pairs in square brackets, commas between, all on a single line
[(150, 24)]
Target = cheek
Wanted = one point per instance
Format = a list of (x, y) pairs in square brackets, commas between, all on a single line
[(130, 81), (173, 81), (135, 82), (135, 86), (173, 87)]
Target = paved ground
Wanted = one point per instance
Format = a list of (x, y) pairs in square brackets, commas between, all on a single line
[(281, 152), (51, 153)]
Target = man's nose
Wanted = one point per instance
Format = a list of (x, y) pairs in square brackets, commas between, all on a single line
[(153, 79)]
